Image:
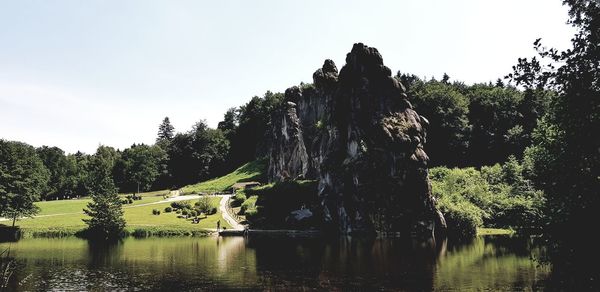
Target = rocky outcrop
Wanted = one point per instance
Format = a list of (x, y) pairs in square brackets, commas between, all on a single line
[(288, 157), (357, 134)]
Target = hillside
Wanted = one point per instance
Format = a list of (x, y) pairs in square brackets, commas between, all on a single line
[(251, 171)]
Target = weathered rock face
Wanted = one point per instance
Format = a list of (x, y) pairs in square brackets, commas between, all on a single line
[(356, 133), (289, 159)]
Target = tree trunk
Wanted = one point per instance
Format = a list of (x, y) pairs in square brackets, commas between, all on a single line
[(14, 219)]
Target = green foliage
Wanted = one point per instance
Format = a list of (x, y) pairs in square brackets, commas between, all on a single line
[(22, 179), (564, 159), (478, 124), (250, 171), (181, 205), (205, 205), (495, 196), (168, 209), (239, 198), (139, 167), (197, 155), (248, 204), (247, 128), (165, 133), (105, 209), (155, 212), (446, 108)]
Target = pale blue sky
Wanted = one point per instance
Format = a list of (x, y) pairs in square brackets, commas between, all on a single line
[(76, 74)]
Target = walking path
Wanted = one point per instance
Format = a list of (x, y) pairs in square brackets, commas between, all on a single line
[(225, 213)]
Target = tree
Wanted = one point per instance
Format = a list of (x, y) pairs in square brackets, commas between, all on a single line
[(198, 154), (446, 110), (165, 133), (564, 158), (250, 138), (55, 161), (496, 124), (141, 165), (22, 180), (105, 210)]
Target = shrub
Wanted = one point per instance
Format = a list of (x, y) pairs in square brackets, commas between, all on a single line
[(168, 210), (496, 196), (205, 205), (249, 203), (193, 213), (130, 201), (181, 205), (155, 212), (238, 199), (212, 211), (184, 212)]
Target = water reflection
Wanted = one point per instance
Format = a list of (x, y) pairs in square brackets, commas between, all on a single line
[(486, 263)]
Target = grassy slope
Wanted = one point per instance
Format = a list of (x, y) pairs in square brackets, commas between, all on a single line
[(250, 171), (68, 215)]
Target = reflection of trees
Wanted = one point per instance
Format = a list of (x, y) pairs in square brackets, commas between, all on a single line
[(7, 268), (490, 263)]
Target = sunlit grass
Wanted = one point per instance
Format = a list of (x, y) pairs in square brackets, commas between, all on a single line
[(135, 216), (494, 231), (248, 172), (77, 205)]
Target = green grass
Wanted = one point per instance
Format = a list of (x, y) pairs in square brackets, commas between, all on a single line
[(494, 231), (139, 220), (77, 205), (250, 171)]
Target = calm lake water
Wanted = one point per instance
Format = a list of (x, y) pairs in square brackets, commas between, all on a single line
[(211, 263)]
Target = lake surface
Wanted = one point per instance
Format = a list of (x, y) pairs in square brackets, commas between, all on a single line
[(211, 263)]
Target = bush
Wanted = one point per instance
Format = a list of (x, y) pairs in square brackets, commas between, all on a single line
[(249, 203), (238, 199), (212, 211), (130, 201), (193, 213), (155, 212), (462, 217), (205, 205), (184, 212), (497, 196), (168, 210), (181, 205)]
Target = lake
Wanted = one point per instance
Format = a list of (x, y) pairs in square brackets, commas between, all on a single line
[(211, 263)]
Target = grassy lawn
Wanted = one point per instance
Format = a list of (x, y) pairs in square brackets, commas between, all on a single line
[(77, 205), (250, 171), (135, 217), (494, 231)]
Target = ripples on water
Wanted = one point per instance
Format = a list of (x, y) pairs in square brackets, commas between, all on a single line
[(175, 264)]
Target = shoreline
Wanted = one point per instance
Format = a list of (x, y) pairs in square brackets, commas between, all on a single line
[(15, 234)]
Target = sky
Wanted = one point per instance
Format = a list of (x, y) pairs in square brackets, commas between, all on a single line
[(79, 74)]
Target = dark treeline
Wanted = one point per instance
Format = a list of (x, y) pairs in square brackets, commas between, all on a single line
[(475, 125)]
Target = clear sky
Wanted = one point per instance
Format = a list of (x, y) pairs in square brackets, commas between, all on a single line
[(77, 74)]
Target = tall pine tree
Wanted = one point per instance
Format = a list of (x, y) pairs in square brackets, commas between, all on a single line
[(105, 210)]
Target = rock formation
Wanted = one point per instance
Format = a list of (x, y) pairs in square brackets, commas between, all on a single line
[(356, 134)]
